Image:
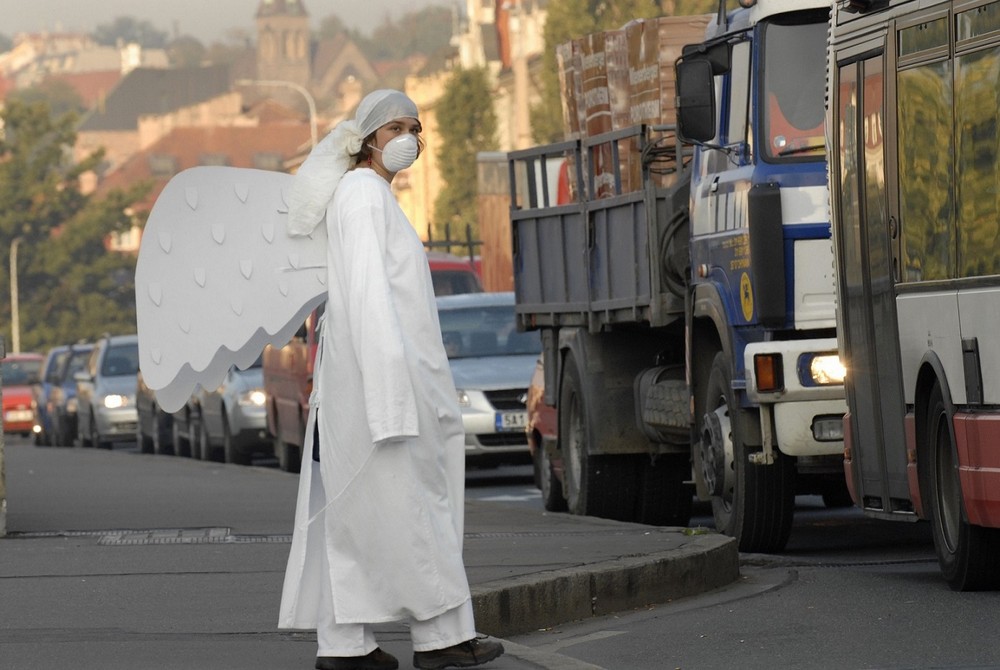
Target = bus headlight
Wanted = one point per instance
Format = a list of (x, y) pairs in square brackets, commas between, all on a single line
[(821, 370)]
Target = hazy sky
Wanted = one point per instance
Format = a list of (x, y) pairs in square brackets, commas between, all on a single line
[(207, 20)]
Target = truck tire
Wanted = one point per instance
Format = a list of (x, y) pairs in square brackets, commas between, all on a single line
[(603, 486), (665, 497), (757, 504), (969, 556)]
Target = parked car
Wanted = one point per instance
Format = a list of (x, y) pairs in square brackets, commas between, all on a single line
[(105, 392), (233, 418), (288, 370), (154, 428), (21, 373), (62, 396), (492, 364), (543, 436), (52, 368), (452, 275), (288, 378)]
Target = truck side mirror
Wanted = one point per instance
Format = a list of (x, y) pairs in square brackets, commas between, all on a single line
[(695, 100)]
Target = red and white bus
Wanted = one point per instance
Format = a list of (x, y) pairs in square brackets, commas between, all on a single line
[(914, 133)]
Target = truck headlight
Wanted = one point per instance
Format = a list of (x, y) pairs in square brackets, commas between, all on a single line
[(821, 370), (463, 399)]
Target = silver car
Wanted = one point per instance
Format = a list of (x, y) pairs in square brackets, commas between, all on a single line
[(105, 392), (232, 419), (491, 364)]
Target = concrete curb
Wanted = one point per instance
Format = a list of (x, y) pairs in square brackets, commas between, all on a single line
[(522, 604)]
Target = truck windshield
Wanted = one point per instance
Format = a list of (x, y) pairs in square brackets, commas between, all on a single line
[(793, 89)]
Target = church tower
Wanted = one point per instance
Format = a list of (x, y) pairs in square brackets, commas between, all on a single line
[(283, 51)]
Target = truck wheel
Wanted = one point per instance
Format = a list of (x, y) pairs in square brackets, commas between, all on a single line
[(603, 486), (753, 503), (665, 498), (969, 555)]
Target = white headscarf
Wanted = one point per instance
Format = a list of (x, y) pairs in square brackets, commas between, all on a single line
[(316, 180)]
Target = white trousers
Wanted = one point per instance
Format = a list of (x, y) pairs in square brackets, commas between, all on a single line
[(357, 639)]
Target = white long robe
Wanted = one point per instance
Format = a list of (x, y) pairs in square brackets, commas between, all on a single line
[(387, 502)]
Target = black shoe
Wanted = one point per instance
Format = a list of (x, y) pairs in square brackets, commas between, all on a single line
[(376, 660), (477, 651)]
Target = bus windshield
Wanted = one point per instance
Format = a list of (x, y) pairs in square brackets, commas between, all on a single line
[(794, 76)]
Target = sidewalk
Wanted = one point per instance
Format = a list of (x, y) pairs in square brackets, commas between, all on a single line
[(123, 560)]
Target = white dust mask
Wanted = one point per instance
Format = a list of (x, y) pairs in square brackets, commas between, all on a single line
[(399, 152)]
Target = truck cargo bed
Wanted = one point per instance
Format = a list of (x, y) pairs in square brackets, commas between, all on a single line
[(595, 262)]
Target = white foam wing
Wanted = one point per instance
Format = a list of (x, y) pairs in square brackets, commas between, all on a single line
[(218, 278)]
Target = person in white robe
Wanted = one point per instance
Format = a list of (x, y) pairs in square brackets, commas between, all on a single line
[(379, 517)]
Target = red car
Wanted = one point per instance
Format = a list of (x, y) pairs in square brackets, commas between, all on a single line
[(21, 372), (543, 439)]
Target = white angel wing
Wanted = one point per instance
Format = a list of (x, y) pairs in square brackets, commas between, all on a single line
[(218, 278)]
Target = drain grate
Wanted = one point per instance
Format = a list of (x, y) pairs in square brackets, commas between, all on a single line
[(186, 536)]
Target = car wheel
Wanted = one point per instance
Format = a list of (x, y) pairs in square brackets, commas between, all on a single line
[(95, 435), (162, 444), (287, 455), (551, 487), (231, 450), (145, 442), (208, 451), (181, 442)]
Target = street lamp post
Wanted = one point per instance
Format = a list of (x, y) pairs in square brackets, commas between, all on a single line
[(292, 85), (15, 320)]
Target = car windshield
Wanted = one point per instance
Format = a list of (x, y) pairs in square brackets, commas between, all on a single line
[(474, 332), (453, 282), (121, 359), (77, 362), (17, 372), (56, 364)]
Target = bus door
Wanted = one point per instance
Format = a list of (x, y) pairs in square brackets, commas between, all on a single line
[(868, 243)]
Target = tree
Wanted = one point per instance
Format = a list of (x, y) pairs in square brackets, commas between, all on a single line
[(60, 97), (467, 125), (570, 19), (129, 29), (186, 51), (69, 286)]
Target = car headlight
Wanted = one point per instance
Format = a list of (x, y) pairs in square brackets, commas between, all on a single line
[(255, 398), (463, 399), (115, 401), (825, 370)]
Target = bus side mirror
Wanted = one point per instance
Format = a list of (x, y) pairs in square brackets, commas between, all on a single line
[(695, 100)]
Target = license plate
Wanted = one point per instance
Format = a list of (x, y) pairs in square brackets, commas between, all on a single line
[(511, 421), (19, 415)]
